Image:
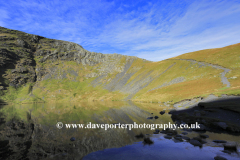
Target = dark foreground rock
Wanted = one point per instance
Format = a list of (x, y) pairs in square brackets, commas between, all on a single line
[(162, 112), (195, 142), (200, 140), (231, 148), (168, 137), (169, 131), (219, 141), (186, 138), (178, 138), (147, 141), (204, 136), (184, 133), (220, 158), (140, 136), (222, 116)]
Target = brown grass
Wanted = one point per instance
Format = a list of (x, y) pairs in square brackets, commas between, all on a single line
[(184, 90), (227, 56)]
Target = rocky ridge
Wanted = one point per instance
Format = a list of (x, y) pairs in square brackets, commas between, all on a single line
[(48, 67), (22, 58)]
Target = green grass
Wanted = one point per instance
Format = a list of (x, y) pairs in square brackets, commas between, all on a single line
[(197, 81), (20, 95), (226, 56), (224, 88)]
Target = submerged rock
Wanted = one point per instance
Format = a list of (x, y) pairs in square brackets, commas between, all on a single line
[(72, 139), (184, 133), (231, 148), (168, 137), (195, 142), (186, 138), (220, 158), (178, 135), (170, 131), (222, 125), (178, 138), (200, 140), (219, 141), (163, 131), (187, 129), (226, 151), (204, 136), (147, 141)]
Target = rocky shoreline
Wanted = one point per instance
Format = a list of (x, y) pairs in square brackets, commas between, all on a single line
[(189, 103), (215, 114), (19, 139)]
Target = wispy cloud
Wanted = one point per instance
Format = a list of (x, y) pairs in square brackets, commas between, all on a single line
[(153, 30)]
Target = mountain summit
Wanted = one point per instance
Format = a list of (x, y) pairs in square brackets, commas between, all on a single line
[(38, 69)]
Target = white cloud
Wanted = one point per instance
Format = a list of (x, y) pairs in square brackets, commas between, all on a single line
[(204, 25), (153, 31)]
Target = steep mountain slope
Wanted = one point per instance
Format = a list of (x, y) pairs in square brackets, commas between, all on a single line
[(37, 69)]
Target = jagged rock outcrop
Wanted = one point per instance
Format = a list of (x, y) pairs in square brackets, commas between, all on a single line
[(25, 54), (34, 61)]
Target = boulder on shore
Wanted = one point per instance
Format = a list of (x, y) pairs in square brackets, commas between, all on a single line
[(162, 112), (195, 142), (222, 125), (219, 141)]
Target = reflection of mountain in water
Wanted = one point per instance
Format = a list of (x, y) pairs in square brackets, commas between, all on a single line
[(21, 138), (123, 115), (29, 132)]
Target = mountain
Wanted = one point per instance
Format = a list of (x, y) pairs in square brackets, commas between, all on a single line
[(38, 69)]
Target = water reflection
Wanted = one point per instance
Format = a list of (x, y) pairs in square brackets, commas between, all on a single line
[(162, 149), (30, 131)]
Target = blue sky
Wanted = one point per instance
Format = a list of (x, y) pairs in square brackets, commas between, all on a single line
[(152, 29)]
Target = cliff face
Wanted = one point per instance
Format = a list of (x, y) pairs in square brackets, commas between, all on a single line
[(29, 59), (16, 58), (25, 54), (30, 138), (34, 68)]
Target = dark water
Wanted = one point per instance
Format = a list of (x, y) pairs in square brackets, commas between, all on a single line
[(162, 149), (30, 132)]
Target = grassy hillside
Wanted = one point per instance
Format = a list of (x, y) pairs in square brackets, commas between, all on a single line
[(37, 69), (228, 57), (199, 81)]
